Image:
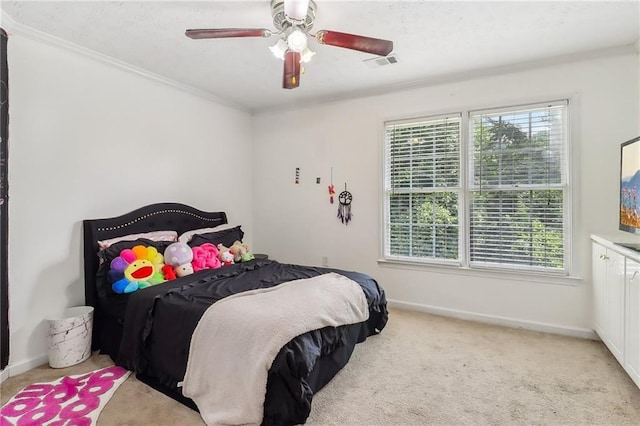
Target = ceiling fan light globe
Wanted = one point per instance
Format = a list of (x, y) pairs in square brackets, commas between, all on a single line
[(279, 49), (306, 55), (297, 41), (296, 9)]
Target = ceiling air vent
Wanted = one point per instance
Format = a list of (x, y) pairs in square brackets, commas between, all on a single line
[(381, 61)]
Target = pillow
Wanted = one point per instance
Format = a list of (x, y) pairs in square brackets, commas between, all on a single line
[(225, 237), (153, 236), (205, 257), (186, 236)]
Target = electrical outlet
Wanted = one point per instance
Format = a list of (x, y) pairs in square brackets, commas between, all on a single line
[(325, 261)]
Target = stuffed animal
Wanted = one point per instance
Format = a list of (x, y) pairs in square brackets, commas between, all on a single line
[(205, 256), (238, 249), (136, 268), (247, 257), (225, 256), (240, 252), (169, 273), (179, 255)]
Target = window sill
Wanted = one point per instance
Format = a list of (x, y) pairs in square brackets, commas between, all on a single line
[(456, 269)]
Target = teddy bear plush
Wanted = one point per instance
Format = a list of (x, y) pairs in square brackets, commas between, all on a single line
[(240, 252)]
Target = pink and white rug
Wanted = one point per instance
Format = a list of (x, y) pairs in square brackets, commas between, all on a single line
[(69, 401)]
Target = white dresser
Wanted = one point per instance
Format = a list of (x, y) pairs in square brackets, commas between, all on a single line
[(616, 301)]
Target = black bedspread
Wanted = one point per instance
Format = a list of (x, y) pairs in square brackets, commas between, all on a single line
[(160, 320)]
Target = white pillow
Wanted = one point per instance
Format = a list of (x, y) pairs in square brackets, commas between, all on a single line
[(186, 237), (153, 236)]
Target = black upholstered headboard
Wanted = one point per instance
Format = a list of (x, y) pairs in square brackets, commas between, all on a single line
[(154, 217)]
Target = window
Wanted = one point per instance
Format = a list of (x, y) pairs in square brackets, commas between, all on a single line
[(423, 188), (491, 192)]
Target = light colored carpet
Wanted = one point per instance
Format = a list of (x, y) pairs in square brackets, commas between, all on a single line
[(428, 370)]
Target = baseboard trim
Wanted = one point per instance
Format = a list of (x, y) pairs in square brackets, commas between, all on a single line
[(583, 333), (23, 366)]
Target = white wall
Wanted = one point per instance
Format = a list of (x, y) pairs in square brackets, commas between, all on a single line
[(296, 223), (88, 140)]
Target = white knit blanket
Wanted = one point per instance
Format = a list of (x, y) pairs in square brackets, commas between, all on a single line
[(238, 338)]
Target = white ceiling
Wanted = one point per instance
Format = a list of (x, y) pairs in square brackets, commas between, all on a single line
[(433, 40)]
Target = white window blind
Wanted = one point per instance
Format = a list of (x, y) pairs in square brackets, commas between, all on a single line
[(422, 188), (511, 209), (518, 187)]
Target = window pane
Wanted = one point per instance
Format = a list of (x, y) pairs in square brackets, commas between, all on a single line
[(400, 240), (423, 155), (518, 228), (421, 159), (399, 209), (424, 225), (519, 148), (423, 241)]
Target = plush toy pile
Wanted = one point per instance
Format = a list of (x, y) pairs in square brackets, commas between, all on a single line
[(143, 266)]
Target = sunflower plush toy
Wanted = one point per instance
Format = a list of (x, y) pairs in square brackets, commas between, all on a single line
[(136, 268)]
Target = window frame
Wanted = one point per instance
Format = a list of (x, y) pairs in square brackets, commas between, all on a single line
[(386, 203), (463, 265)]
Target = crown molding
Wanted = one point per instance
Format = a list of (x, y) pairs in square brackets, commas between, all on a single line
[(518, 67), (12, 27), (457, 77)]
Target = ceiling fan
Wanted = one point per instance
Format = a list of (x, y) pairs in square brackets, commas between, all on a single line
[(293, 20)]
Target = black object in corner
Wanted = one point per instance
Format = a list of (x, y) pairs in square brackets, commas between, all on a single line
[(4, 202)]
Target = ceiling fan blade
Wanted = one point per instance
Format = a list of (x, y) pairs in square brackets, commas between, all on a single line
[(355, 42), (227, 32), (291, 74), (296, 9)]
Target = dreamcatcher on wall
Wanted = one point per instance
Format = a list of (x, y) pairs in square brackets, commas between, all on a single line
[(344, 207)]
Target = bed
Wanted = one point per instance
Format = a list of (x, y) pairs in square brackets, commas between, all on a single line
[(149, 331)]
